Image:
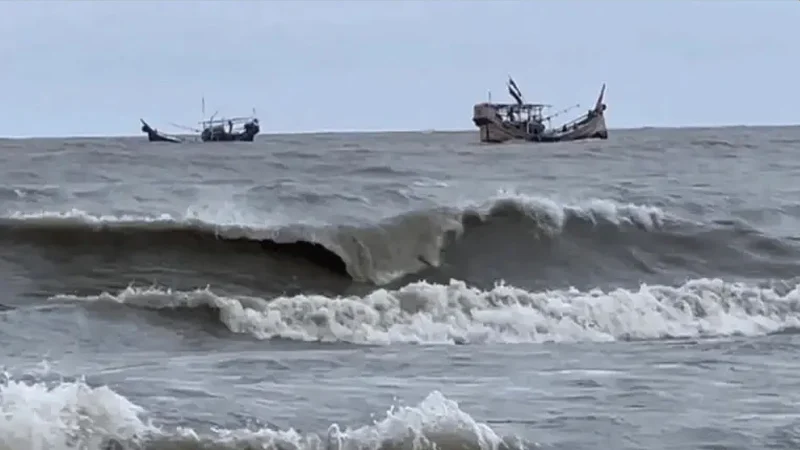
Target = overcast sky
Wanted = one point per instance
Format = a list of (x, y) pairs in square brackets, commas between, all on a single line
[(95, 67)]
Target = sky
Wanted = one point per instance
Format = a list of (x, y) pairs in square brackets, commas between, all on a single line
[(78, 68)]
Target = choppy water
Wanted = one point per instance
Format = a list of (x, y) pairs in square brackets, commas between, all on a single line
[(402, 291)]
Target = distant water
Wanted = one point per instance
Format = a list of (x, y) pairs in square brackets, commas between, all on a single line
[(399, 291)]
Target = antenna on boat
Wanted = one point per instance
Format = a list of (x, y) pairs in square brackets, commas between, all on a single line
[(558, 113), (490, 96), (182, 127), (203, 106)]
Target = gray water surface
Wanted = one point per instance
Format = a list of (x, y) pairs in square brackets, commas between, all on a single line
[(632, 293)]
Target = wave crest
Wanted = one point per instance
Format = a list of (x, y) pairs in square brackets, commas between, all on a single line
[(72, 414), (454, 313), (377, 253)]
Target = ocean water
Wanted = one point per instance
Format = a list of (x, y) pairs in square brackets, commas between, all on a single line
[(402, 291)]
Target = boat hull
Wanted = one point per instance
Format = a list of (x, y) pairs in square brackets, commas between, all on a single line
[(158, 137), (227, 137), (154, 135), (494, 130)]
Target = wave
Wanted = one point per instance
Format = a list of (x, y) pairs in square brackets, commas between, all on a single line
[(72, 414), (425, 313), (378, 253)]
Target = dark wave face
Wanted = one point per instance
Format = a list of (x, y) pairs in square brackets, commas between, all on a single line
[(530, 242)]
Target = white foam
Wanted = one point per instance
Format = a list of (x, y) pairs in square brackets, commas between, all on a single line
[(228, 228), (436, 422), (73, 415), (554, 212), (64, 415), (427, 313), (229, 221), (430, 183)]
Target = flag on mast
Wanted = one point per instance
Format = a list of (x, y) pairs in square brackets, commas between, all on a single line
[(514, 91)]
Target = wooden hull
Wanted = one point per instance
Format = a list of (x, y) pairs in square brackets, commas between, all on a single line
[(158, 137), (227, 137), (495, 131), (154, 135)]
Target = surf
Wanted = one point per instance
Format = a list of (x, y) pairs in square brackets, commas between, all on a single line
[(503, 233)]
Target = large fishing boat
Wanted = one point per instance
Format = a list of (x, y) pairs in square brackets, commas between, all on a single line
[(501, 122)]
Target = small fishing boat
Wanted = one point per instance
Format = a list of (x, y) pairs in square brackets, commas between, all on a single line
[(242, 129), (501, 122)]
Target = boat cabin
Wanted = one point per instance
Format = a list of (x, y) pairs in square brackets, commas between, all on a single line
[(528, 117), (524, 113), (233, 129), (228, 125)]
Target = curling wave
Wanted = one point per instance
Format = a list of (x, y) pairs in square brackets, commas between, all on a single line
[(378, 253)]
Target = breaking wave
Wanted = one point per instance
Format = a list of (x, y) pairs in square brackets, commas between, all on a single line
[(378, 253), (74, 415), (454, 313)]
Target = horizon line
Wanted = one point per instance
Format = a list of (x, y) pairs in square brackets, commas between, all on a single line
[(402, 131)]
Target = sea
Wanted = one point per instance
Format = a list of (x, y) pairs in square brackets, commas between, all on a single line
[(402, 291)]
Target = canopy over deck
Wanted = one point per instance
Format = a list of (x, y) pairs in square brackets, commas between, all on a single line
[(224, 121)]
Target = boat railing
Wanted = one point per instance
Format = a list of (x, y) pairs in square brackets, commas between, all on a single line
[(522, 115)]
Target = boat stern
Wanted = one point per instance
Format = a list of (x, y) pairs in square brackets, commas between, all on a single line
[(484, 113), (487, 118)]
